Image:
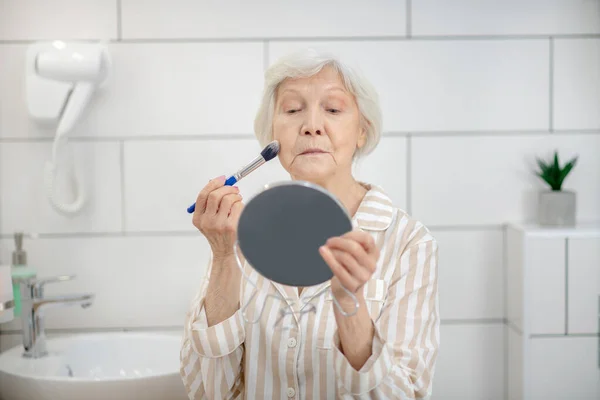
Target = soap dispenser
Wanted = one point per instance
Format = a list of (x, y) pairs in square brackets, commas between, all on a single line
[(20, 271)]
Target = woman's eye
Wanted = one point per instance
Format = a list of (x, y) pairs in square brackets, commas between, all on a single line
[(333, 110), (292, 111)]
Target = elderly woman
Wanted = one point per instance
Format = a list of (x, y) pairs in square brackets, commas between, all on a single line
[(325, 116)]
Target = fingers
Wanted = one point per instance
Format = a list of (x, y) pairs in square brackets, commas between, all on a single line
[(363, 238), (218, 208), (236, 211), (354, 249), (352, 258), (225, 219), (356, 270), (213, 184), (226, 203), (346, 279), (215, 197)]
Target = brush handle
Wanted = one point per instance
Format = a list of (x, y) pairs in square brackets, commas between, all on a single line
[(229, 182)]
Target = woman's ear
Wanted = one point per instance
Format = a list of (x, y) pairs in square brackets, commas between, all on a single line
[(362, 138)]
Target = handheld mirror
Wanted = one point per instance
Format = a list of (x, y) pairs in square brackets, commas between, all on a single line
[(281, 229)]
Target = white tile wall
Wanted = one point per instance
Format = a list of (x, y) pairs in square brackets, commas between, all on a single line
[(577, 83), (163, 178), (470, 363), (509, 90), (182, 168), (57, 19), (267, 18), (159, 89), (470, 274), (422, 87), (386, 167), (508, 17), (490, 179), (186, 82), (14, 118), (137, 281), (23, 201)]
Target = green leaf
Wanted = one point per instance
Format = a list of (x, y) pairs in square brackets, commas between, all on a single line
[(552, 173), (543, 166), (547, 177), (567, 169)]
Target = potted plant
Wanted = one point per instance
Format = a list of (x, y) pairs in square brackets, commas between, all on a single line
[(556, 207)]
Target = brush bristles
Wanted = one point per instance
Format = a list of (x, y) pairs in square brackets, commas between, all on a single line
[(270, 151)]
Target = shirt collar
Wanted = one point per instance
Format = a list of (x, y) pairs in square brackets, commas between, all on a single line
[(375, 212)]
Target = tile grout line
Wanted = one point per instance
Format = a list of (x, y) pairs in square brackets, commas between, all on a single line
[(473, 321), (409, 18), (465, 227), (551, 87), (333, 38), (119, 22), (463, 322), (408, 174), (505, 305), (566, 286), (104, 235), (153, 328), (505, 269), (365, 38), (122, 178), (265, 55), (513, 327), (506, 364), (561, 335), (249, 136), (1, 255), (182, 233), (1, 188)]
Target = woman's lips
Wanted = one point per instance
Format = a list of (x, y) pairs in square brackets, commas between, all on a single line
[(312, 152)]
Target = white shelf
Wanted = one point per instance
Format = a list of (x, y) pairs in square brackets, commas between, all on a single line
[(553, 294), (583, 229)]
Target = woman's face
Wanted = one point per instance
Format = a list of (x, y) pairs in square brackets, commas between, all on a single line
[(318, 126)]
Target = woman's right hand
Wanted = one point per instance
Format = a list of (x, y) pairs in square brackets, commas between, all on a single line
[(218, 209)]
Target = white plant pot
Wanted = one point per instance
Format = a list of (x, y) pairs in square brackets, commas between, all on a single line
[(557, 208)]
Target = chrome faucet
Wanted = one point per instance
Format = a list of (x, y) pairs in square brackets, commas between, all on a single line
[(33, 307)]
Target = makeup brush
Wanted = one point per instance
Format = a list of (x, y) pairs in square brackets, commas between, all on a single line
[(267, 154)]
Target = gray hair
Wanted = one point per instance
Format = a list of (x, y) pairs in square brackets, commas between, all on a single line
[(307, 63)]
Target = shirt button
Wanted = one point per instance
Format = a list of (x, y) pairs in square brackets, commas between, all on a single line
[(291, 392), (292, 343)]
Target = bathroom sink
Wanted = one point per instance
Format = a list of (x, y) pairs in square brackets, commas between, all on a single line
[(96, 366)]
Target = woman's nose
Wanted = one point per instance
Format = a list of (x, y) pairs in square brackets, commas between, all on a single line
[(310, 132), (313, 124)]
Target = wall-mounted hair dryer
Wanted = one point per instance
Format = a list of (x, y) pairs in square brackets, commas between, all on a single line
[(60, 81)]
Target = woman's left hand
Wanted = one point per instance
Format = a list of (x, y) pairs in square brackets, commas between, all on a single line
[(352, 259)]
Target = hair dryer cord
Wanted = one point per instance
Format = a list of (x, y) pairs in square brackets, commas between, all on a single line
[(50, 173)]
